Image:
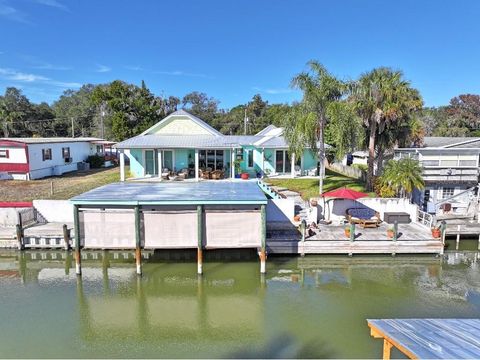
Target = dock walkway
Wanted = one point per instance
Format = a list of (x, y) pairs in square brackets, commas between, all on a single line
[(412, 239), (429, 338)]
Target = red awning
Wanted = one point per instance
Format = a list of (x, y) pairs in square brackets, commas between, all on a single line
[(344, 193)]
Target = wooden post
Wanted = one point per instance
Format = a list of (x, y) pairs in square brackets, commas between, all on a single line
[(443, 227), (302, 229), (122, 166), (263, 235), (395, 230), (457, 245), (78, 258), (66, 237), (20, 237), (387, 347), (138, 250), (352, 232), (200, 239)]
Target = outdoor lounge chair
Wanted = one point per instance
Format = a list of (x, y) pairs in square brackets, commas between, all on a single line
[(165, 173), (365, 217), (217, 174), (182, 174)]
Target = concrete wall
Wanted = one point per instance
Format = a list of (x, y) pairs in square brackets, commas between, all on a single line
[(280, 210), (337, 208), (55, 210), (8, 216)]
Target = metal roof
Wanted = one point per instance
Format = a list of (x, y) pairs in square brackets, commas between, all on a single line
[(34, 140), (174, 193), (187, 141), (438, 141)]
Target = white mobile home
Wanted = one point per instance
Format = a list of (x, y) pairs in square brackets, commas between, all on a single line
[(35, 158)]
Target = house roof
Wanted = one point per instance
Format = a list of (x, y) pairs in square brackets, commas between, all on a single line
[(34, 140), (176, 193), (449, 142), (182, 112), (187, 141)]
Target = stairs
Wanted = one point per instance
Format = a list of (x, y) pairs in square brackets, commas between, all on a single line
[(268, 190)]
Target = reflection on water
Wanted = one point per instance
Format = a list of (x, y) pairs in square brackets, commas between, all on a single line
[(303, 307)]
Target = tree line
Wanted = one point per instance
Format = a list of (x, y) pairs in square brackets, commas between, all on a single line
[(377, 111)]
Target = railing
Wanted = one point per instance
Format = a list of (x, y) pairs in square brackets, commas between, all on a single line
[(467, 194), (30, 216), (425, 219)]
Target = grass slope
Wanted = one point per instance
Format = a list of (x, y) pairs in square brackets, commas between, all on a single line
[(308, 188)]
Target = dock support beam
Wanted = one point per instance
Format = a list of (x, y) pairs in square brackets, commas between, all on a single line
[(138, 250), (457, 244), (395, 230), (263, 255), (352, 232), (387, 347), (200, 239), (66, 237), (78, 258), (443, 229)]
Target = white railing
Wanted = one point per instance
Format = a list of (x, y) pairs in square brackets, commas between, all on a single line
[(425, 219)]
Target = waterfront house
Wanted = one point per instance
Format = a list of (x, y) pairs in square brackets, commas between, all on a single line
[(35, 158), (450, 169), (185, 143)]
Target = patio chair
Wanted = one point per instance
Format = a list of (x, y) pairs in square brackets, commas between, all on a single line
[(165, 173), (217, 174), (365, 217), (182, 174), (205, 174)]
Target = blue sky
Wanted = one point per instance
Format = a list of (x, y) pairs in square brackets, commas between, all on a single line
[(234, 49)]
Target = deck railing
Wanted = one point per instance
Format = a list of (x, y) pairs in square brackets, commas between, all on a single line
[(425, 219), (30, 216)]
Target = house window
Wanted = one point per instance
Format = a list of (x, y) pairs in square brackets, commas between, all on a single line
[(4, 153), (99, 149), (250, 158), (430, 162), (66, 152), (447, 192), (211, 159), (46, 154)]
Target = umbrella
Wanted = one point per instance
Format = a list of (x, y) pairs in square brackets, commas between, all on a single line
[(342, 193)]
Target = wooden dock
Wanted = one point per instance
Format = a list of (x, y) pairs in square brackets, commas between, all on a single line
[(412, 239), (429, 338)]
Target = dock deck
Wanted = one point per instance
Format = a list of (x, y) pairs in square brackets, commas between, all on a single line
[(412, 239), (429, 338)]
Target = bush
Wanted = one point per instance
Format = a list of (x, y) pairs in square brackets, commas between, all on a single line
[(362, 167), (96, 161)]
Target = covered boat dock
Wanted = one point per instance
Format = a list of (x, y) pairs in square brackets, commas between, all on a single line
[(203, 215)]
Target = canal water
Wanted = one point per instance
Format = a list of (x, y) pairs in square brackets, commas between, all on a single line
[(303, 307)]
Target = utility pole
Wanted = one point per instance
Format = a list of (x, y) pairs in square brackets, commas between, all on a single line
[(73, 129), (245, 121), (102, 124)]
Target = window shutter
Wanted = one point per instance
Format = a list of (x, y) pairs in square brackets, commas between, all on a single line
[(43, 154)]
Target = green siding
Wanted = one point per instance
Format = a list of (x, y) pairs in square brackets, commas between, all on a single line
[(181, 158)]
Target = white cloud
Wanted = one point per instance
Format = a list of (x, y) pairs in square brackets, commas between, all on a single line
[(273, 91), (48, 66), (179, 73), (133, 67), (102, 68), (11, 13), (53, 3), (21, 77)]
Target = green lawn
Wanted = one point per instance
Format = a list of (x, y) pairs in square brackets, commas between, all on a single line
[(309, 187), (64, 187)]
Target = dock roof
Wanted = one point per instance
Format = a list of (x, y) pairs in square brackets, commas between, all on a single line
[(174, 193)]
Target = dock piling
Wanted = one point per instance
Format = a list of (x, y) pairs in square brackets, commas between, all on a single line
[(263, 256), (66, 237), (200, 239), (19, 231), (78, 257), (138, 249), (457, 244), (395, 230), (352, 231), (303, 226)]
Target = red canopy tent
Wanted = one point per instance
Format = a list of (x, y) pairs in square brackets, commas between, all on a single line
[(342, 193)]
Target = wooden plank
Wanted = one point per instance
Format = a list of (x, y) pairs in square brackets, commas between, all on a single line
[(430, 338)]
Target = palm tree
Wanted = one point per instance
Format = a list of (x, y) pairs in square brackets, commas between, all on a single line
[(384, 100), (306, 123), (403, 176)]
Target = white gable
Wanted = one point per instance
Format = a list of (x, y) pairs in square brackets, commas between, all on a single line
[(181, 123)]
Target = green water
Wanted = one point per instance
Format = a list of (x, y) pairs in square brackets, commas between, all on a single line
[(303, 307)]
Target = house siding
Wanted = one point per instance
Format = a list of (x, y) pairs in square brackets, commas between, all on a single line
[(136, 162), (181, 126)]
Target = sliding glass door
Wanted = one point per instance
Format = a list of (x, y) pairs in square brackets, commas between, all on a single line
[(283, 162), (149, 162)]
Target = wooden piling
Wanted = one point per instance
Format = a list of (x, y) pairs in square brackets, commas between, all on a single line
[(263, 234), (352, 231), (443, 228), (395, 230), (78, 257), (19, 231), (138, 250), (66, 237), (303, 229), (200, 239), (457, 243)]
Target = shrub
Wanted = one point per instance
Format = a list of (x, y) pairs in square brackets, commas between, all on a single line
[(363, 167), (96, 161)]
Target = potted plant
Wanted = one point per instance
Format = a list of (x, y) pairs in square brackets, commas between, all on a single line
[(347, 231), (244, 176), (390, 232), (436, 233), (238, 168)]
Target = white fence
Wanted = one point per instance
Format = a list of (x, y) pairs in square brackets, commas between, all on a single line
[(349, 171)]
